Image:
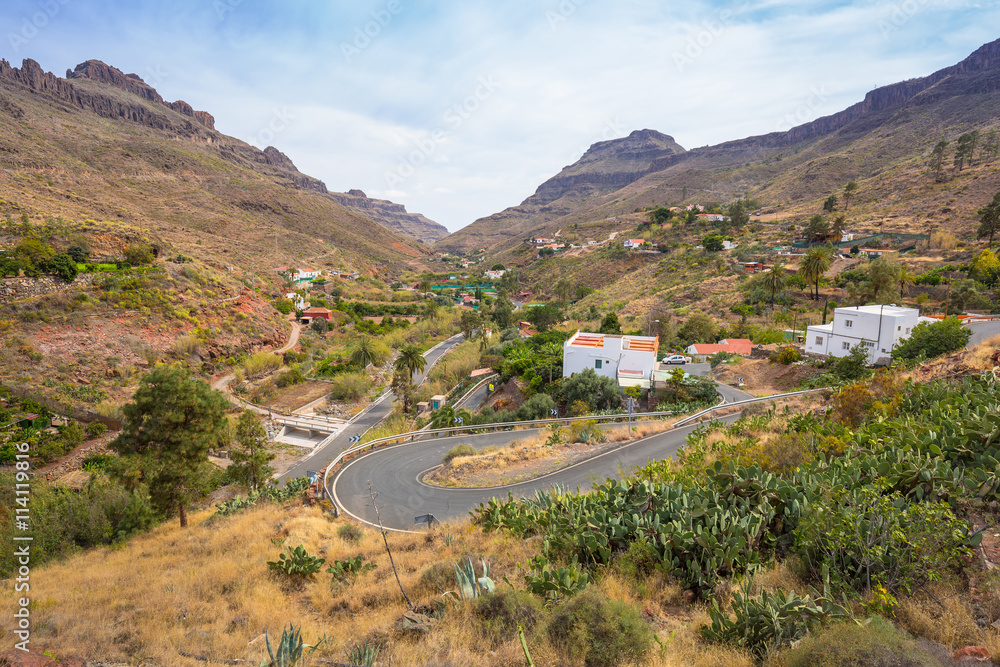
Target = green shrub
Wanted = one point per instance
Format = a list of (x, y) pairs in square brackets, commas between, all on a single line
[(765, 623), (876, 643), (349, 568), (139, 253), (350, 533), (260, 364), (499, 615), (349, 386), (786, 355), (863, 538), (296, 563), (932, 339), (539, 406), (459, 450), (553, 582), (290, 377), (96, 429), (601, 632)]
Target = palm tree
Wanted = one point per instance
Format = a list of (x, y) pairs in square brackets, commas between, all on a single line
[(448, 416), (905, 279), (816, 263), (365, 353), (775, 279), (483, 333), (431, 310), (409, 361)]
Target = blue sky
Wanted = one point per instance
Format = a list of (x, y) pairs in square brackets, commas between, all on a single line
[(460, 109)]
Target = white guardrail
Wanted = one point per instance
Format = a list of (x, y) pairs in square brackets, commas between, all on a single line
[(510, 426)]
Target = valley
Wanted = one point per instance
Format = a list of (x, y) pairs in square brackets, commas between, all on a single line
[(238, 409)]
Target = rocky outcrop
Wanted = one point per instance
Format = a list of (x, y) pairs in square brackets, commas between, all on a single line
[(608, 166), (31, 76), (391, 215)]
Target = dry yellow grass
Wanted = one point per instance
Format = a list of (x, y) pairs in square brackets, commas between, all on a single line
[(979, 356)]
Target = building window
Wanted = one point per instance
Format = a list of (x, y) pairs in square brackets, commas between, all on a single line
[(819, 340), (597, 364), (845, 345), (848, 323), (869, 344), (899, 328), (907, 331)]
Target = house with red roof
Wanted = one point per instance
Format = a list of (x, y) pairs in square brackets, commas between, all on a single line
[(740, 346)]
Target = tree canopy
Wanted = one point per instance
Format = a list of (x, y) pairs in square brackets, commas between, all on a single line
[(171, 423)]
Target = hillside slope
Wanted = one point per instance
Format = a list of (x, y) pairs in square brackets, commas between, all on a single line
[(101, 144), (882, 142)]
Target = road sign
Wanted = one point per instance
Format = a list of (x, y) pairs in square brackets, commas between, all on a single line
[(741, 380), (458, 420), (554, 412), (429, 519), (354, 439), (492, 387), (312, 475)]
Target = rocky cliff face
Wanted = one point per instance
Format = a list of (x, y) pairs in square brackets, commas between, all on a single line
[(392, 215), (611, 166), (95, 70), (81, 95)]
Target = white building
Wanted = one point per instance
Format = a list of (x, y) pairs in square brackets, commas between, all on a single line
[(629, 360), (878, 328), (495, 275)]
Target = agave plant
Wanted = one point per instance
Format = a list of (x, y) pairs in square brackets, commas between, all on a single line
[(291, 651), (469, 585)]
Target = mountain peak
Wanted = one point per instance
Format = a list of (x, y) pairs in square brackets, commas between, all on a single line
[(96, 70)]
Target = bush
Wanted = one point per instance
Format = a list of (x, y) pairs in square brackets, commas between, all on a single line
[(459, 450), (296, 562), (878, 643), (601, 632), (539, 406), (786, 355), (319, 325), (863, 538), (260, 364), (598, 391), (138, 254), (96, 429), (932, 339), (765, 623), (854, 366), (350, 533), (500, 614), (349, 386), (290, 377)]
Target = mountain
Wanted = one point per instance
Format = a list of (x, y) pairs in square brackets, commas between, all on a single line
[(392, 215), (103, 144), (882, 142)]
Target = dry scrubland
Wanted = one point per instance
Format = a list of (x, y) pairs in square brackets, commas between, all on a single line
[(207, 591)]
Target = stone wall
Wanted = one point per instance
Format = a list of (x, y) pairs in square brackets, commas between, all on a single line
[(15, 289)]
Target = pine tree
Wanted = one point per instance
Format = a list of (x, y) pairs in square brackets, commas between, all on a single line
[(250, 456), (937, 160), (173, 420)]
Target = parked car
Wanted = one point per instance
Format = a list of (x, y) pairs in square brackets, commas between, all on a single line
[(677, 359)]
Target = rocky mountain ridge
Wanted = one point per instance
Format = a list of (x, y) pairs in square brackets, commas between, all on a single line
[(588, 189), (392, 215), (93, 86)]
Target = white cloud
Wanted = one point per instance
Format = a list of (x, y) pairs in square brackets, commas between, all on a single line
[(701, 72)]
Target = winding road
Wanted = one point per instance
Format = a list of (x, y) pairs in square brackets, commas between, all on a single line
[(395, 472), (982, 331), (369, 417)]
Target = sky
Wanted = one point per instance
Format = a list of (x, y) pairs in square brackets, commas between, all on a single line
[(461, 109)]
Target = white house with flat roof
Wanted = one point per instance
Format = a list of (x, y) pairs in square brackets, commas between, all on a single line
[(878, 328), (629, 360)]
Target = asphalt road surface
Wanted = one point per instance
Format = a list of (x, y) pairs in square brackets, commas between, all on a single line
[(394, 473), (374, 414), (982, 331)]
